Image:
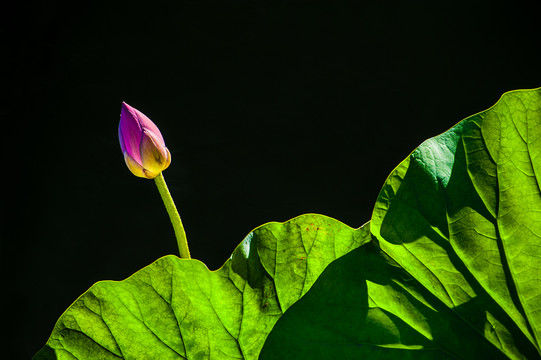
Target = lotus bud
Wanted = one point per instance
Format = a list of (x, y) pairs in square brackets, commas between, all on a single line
[(142, 144)]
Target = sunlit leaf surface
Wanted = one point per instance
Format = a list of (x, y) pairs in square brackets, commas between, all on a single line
[(454, 270), (175, 309)]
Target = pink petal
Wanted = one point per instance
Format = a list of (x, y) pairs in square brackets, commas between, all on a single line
[(130, 132)]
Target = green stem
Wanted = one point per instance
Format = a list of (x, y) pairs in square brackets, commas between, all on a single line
[(174, 216)]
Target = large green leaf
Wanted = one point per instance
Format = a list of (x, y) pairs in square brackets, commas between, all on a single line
[(454, 270), (176, 308)]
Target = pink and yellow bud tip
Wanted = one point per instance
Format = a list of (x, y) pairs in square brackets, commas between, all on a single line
[(142, 144)]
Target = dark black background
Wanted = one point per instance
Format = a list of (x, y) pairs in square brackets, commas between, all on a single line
[(270, 109)]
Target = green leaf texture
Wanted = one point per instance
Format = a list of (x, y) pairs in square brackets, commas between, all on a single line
[(454, 268), (178, 309)]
